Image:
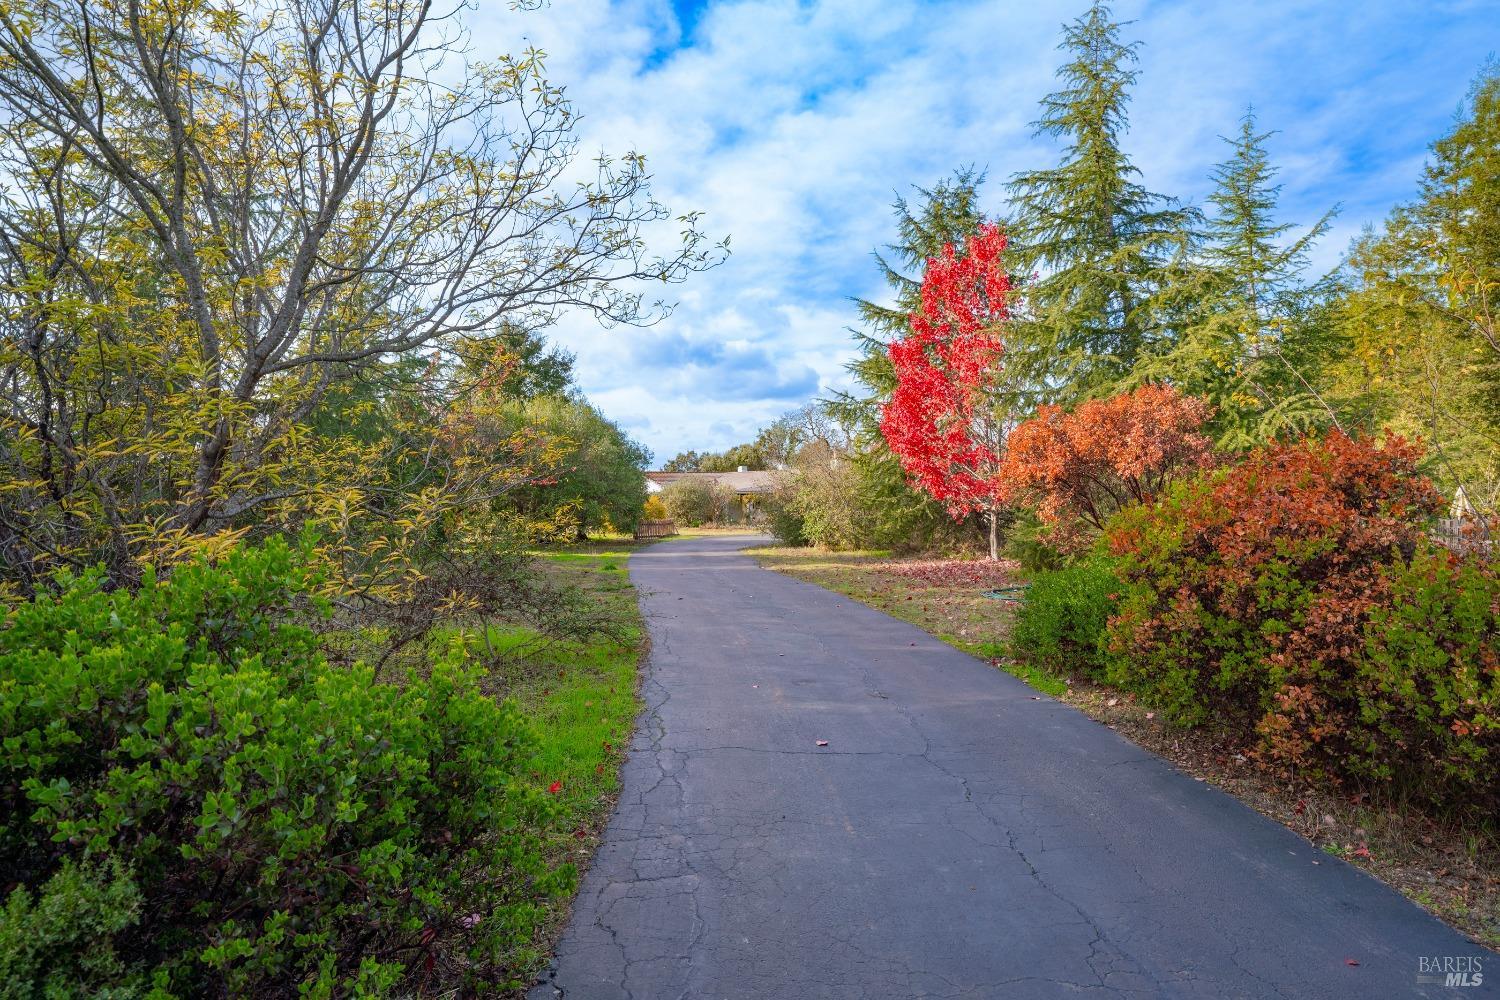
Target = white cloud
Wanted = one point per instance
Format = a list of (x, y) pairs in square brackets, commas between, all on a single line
[(792, 125)]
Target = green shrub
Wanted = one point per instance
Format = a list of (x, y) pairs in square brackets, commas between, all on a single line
[(1062, 622), (825, 494), (696, 502), (59, 944), (1426, 693), (291, 826), (782, 517), (1026, 543)]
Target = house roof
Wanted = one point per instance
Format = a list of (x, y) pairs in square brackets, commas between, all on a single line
[(739, 482)]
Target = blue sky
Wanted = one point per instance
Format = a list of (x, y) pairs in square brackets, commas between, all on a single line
[(793, 125)]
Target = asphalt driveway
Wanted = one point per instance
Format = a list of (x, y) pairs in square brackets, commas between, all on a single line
[(958, 836)]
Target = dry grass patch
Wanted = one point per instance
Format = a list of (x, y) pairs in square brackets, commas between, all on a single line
[(946, 597)]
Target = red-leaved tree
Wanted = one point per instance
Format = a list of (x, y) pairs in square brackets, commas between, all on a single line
[(1079, 468), (944, 420)]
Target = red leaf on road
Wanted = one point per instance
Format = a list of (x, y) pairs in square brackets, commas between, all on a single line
[(1351, 961)]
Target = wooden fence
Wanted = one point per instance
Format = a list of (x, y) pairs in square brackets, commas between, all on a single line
[(656, 529)]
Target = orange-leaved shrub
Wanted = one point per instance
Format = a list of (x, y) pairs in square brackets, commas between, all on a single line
[(1077, 468), (1296, 595)]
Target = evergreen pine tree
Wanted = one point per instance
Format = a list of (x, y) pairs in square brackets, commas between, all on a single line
[(1246, 336), (946, 213), (1098, 241)]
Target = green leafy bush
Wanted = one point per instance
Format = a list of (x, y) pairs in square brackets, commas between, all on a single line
[(290, 826), (826, 496), (59, 944), (782, 517), (1062, 622), (696, 502), (1026, 542), (1425, 699)]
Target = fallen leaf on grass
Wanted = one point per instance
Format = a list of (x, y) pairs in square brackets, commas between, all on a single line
[(555, 787)]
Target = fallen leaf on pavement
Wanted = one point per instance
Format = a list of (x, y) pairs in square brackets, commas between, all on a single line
[(822, 743)]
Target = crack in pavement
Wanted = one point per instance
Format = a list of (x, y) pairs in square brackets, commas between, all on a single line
[(957, 838)]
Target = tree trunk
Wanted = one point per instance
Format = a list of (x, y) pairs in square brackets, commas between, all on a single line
[(994, 535)]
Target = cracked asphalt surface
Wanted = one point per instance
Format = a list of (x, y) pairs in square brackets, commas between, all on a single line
[(958, 836)]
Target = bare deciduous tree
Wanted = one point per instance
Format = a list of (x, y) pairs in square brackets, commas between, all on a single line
[(215, 211)]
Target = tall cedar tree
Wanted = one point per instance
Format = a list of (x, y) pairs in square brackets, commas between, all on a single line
[(1248, 339), (1421, 309), (941, 215), (1100, 244)]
